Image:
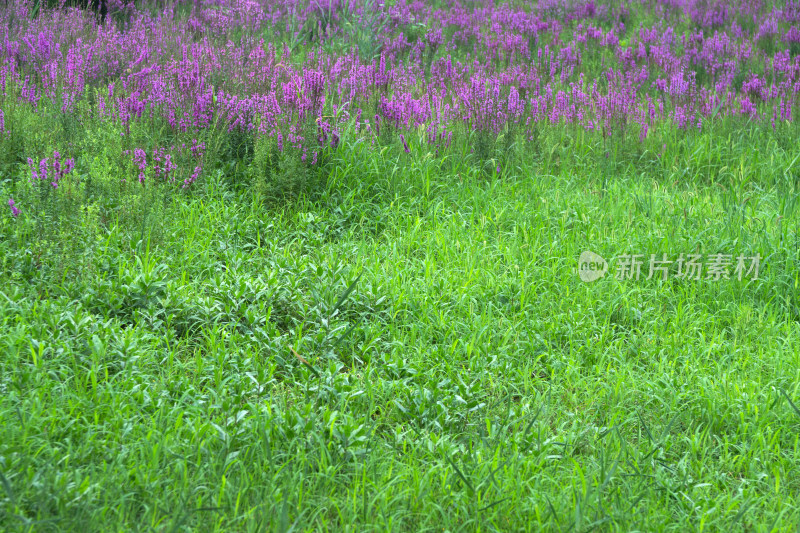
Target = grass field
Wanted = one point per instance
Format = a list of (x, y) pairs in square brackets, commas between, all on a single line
[(396, 338), (456, 374)]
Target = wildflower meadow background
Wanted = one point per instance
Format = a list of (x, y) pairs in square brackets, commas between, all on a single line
[(312, 265)]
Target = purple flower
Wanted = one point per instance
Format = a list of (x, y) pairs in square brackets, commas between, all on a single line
[(140, 160), (643, 133), (14, 210), (43, 169), (405, 144), (34, 175), (198, 148), (193, 178), (169, 166)]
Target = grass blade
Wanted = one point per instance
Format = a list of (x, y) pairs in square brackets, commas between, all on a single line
[(345, 294)]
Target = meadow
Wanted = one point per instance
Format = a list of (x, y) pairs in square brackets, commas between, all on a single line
[(314, 266)]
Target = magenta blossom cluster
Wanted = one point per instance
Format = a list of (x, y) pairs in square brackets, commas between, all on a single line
[(14, 211), (442, 69), (164, 165), (191, 179), (140, 160), (51, 172)]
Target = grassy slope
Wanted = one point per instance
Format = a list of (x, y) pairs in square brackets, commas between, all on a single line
[(467, 380)]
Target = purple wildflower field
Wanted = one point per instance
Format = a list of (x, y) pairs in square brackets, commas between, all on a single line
[(634, 68), (399, 265)]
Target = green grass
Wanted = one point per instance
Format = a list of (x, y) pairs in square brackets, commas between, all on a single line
[(398, 342), (457, 375)]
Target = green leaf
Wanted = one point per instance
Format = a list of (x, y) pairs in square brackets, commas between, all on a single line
[(346, 293)]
